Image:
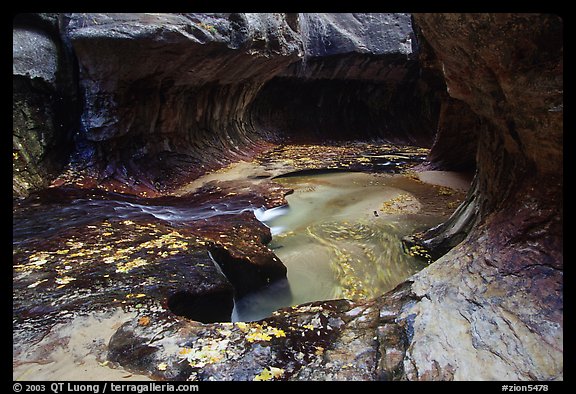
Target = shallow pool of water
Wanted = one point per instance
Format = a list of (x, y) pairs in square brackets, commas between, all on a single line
[(340, 237)]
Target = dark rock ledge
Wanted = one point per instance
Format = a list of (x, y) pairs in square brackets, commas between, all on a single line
[(332, 340), (494, 297)]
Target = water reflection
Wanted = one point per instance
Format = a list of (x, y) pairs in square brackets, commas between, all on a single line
[(336, 239)]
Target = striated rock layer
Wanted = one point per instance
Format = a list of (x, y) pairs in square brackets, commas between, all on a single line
[(496, 299), (488, 309), (359, 78), (167, 97), (166, 94)]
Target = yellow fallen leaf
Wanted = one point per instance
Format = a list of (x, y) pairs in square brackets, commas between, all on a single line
[(276, 332), (269, 374), (64, 280), (209, 353), (185, 351), (39, 256), (258, 336), (263, 376), (36, 283), (128, 266), (132, 295)]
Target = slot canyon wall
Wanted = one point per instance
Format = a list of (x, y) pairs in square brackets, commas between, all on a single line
[(146, 102), (168, 97), (506, 277), (45, 102)]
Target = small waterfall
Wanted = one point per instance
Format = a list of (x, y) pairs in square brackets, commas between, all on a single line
[(266, 216)]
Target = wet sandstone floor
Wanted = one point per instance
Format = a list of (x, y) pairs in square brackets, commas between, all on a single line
[(91, 256)]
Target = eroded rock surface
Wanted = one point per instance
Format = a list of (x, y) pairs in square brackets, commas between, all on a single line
[(83, 254), (179, 109), (496, 299), (170, 97), (332, 340), (43, 97), (358, 75)]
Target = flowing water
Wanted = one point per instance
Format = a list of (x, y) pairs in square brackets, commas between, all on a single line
[(340, 236), (43, 219)]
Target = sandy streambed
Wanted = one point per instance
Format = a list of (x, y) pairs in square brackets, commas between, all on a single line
[(75, 350)]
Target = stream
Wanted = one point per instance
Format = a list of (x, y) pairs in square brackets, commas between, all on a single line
[(76, 251), (340, 237)]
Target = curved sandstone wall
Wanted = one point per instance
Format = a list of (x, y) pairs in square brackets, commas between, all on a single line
[(166, 97)]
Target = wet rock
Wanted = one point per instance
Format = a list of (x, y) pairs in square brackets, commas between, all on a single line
[(158, 259), (439, 240), (188, 104), (278, 348), (238, 247), (179, 110), (456, 123), (43, 102), (153, 126), (105, 264), (287, 160), (352, 355), (457, 126), (152, 260), (339, 46), (35, 55), (330, 340), (507, 154), (484, 302)]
